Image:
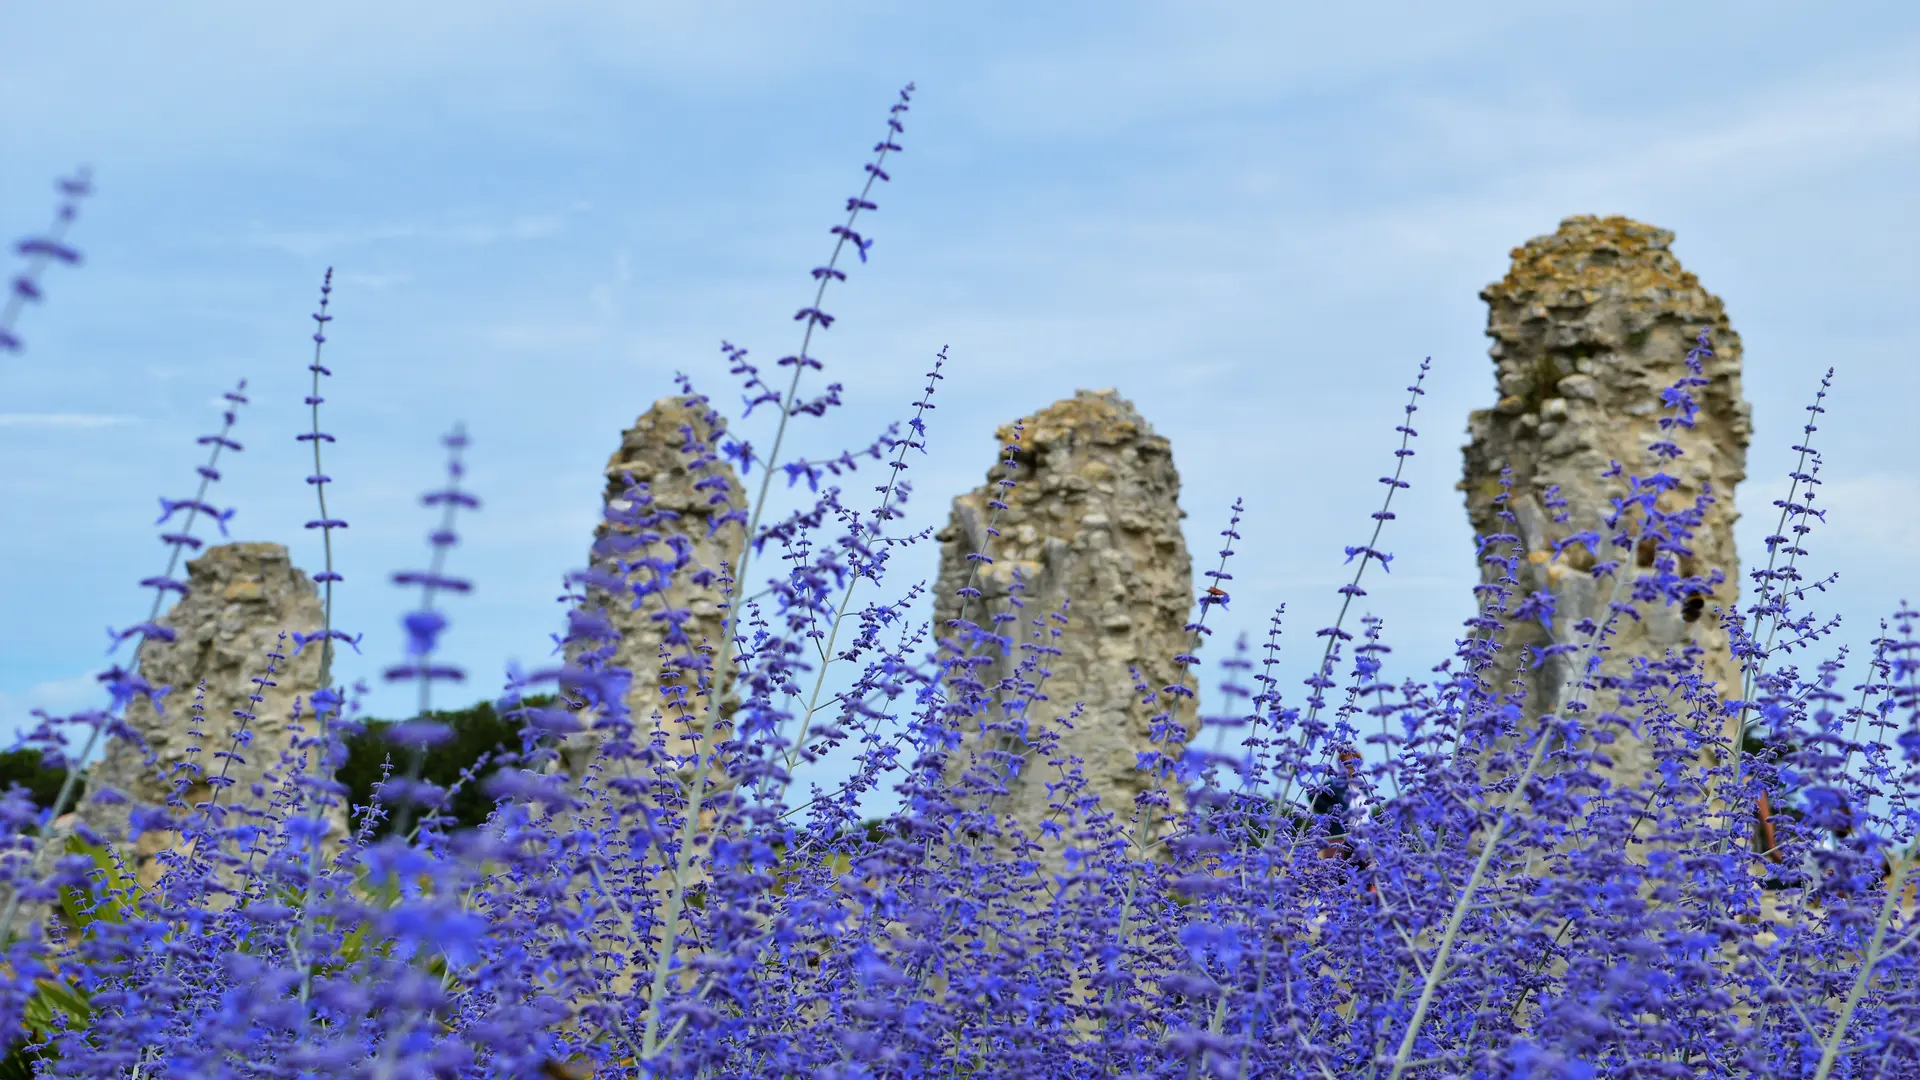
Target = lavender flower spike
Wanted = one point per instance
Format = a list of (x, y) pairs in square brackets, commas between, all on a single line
[(41, 250)]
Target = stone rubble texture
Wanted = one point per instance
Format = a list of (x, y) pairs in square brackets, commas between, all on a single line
[(240, 598), (1590, 324), (1094, 519), (651, 453)]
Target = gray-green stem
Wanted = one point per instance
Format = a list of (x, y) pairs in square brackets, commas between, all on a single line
[(683, 858)]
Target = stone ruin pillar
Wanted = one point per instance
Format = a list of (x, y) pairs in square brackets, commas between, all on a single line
[(651, 452), (1588, 327), (240, 598), (1094, 518)]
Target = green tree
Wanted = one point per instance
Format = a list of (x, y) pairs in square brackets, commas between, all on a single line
[(27, 768), (474, 734)]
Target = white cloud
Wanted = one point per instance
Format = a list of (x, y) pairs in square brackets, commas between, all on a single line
[(57, 697), (558, 333), (1877, 514), (1204, 53), (1526, 165), (605, 296), (376, 282), (224, 68), (64, 420), (310, 242), (1810, 125), (1609, 163)]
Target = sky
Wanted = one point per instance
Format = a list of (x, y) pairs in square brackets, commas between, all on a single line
[(1252, 219)]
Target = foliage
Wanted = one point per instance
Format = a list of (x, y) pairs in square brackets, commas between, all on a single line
[(478, 742), (29, 768)]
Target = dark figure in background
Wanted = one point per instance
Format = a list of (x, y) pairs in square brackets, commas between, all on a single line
[(1839, 833), (1766, 842), (1338, 802)]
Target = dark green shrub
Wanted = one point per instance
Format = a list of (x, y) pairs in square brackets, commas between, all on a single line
[(26, 768), (475, 733)]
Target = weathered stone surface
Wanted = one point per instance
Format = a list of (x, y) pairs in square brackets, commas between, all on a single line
[(654, 452), (1094, 518), (1588, 327), (240, 599), (651, 453)]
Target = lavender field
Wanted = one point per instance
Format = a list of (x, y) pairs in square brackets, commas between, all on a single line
[(864, 715)]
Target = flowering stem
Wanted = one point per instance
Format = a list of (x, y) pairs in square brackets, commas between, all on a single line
[(424, 624), (846, 598), (1369, 553), (1775, 604), (324, 697), (1437, 971), (683, 857), (1888, 905), (160, 585), (39, 251)]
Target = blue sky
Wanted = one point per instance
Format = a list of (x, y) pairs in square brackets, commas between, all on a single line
[(1253, 219)]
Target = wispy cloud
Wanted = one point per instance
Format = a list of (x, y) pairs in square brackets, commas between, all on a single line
[(307, 243), (542, 335), (376, 282), (1685, 154), (1810, 126), (56, 697), (1520, 166), (1877, 513), (605, 296), (1196, 55), (64, 420), (227, 67)]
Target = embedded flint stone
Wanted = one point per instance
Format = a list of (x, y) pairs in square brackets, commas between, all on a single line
[(1092, 522), (241, 598), (658, 451), (1591, 324)]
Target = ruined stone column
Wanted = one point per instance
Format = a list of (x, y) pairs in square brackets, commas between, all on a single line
[(651, 452), (240, 598), (1094, 518), (1589, 326)]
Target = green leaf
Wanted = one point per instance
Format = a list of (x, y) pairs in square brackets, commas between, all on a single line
[(112, 888)]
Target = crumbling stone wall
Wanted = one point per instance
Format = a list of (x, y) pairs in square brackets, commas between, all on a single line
[(651, 453), (1093, 518), (1590, 324), (240, 598)]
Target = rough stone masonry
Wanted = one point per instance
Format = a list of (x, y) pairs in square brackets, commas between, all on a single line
[(651, 451), (654, 452), (1093, 518), (1590, 324), (240, 598)]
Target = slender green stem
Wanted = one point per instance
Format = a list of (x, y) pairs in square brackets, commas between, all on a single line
[(72, 779), (683, 857), (846, 598), (1437, 972), (1751, 676), (1580, 682), (1888, 905), (325, 680), (1352, 589)]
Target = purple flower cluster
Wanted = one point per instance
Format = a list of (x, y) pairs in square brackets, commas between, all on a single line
[(1423, 878)]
